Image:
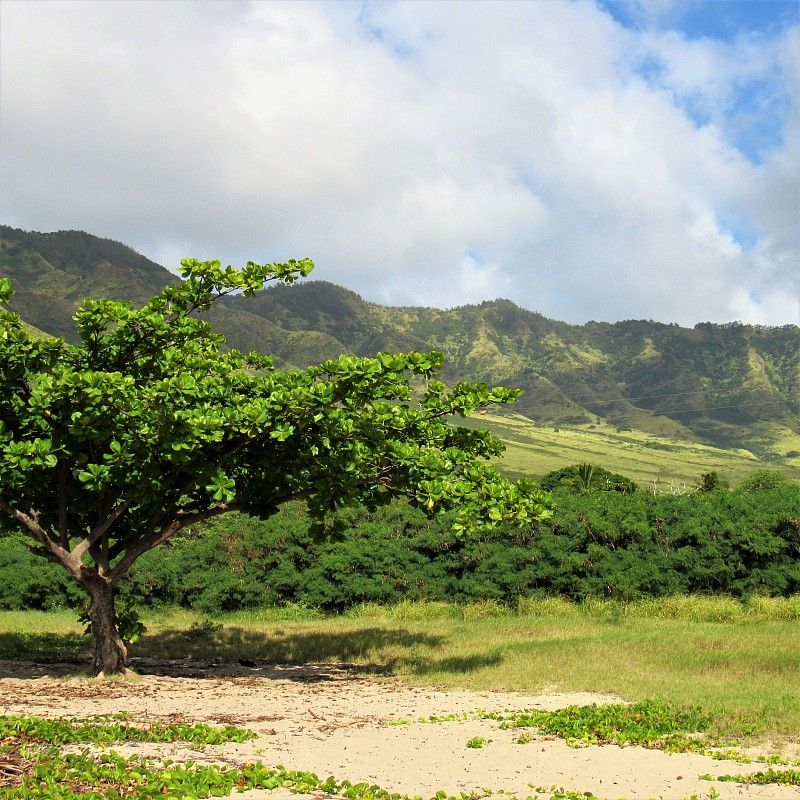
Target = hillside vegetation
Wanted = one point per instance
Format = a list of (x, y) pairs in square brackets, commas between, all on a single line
[(656, 463), (645, 395)]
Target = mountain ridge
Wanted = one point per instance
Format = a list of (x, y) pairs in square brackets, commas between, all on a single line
[(730, 385)]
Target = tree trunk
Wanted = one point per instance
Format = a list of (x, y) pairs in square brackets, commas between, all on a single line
[(110, 652)]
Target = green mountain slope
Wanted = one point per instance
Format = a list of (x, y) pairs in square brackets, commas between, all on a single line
[(72, 265), (729, 386), (53, 272), (733, 386), (654, 462)]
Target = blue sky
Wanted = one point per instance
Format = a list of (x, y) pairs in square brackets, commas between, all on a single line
[(700, 19), (588, 159), (759, 105)]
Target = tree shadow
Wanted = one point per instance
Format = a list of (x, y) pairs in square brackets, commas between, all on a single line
[(43, 653), (210, 651), (461, 664), (371, 649)]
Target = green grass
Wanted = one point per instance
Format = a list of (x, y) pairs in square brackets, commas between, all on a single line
[(534, 450), (738, 660)]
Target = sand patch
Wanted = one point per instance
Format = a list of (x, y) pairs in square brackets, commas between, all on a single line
[(329, 721)]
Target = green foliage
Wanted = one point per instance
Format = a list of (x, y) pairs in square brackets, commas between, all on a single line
[(785, 777), (28, 582), (622, 547), (49, 772), (127, 621), (477, 742), (602, 545), (627, 546), (79, 776), (56, 775), (110, 447), (129, 625), (70, 776), (101, 730), (435, 719), (710, 482), (584, 478), (649, 723), (762, 480)]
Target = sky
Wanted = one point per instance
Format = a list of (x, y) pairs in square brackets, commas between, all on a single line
[(587, 159)]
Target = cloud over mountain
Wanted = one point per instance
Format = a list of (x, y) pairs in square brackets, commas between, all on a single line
[(422, 153)]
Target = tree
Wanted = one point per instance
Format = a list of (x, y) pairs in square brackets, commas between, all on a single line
[(711, 482), (584, 478), (111, 446), (763, 480)]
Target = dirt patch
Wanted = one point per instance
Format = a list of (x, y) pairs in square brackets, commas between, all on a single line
[(329, 721)]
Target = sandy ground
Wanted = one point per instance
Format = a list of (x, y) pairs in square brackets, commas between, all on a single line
[(330, 722)]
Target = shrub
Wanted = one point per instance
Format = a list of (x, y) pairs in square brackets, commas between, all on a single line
[(621, 547)]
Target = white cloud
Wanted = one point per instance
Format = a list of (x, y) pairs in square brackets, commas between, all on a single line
[(430, 153)]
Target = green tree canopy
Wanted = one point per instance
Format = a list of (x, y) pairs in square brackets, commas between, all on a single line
[(762, 480), (584, 478), (110, 447)]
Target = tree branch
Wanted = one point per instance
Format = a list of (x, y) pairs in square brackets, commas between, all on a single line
[(99, 530), (157, 537), (30, 521)]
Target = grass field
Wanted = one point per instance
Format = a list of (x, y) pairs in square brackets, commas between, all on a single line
[(740, 661), (534, 450)]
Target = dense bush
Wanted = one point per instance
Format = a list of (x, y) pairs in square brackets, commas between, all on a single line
[(601, 543), (584, 478), (28, 581)]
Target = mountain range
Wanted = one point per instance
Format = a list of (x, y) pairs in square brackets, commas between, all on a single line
[(731, 385)]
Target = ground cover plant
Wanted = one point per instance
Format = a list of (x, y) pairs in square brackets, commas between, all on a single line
[(33, 765), (787, 777), (650, 723), (57, 776), (29, 769), (101, 730)]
